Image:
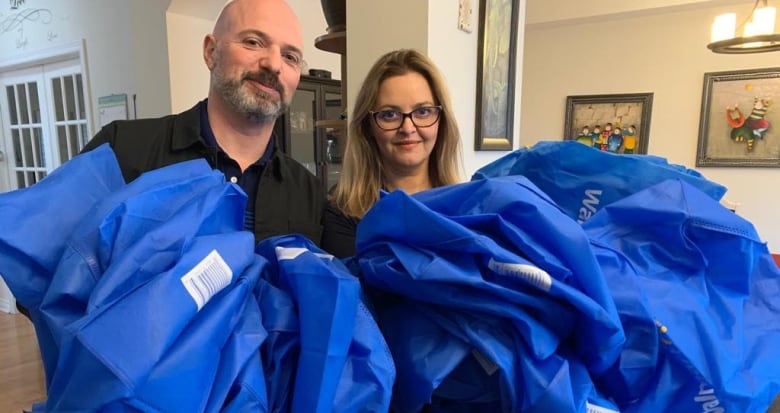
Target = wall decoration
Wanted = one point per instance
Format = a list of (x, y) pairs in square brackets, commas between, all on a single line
[(738, 122), (496, 74), (17, 19), (618, 123)]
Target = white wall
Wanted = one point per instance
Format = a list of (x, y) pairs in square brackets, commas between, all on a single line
[(186, 28), (430, 26), (125, 44), (661, 53)]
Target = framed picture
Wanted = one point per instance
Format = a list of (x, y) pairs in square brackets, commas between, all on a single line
[(737, 125), (496, 74), (617, 123)]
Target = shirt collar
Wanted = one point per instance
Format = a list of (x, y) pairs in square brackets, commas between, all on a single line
[(211, 141)]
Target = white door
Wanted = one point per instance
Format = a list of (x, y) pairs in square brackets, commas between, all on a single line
[(44, 119)]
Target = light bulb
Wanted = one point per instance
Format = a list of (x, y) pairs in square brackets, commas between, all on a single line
[(764, 20), (724, 27)]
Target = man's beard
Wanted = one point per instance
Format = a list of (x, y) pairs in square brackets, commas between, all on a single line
[(256, 105)]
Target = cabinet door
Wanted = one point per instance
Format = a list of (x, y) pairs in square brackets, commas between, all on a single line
[(303, 134), (333, 137)]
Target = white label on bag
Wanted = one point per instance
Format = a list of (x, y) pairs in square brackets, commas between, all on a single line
[(592, 408), (207, 278), (291, 253), (534, 275)]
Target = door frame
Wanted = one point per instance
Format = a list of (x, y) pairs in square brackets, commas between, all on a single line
[(67, 51)]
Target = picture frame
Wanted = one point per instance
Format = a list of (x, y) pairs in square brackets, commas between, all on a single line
[(618, 123), (498, 20), (738, 123)]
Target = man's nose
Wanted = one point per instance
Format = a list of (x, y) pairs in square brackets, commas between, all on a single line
[(272, 59)]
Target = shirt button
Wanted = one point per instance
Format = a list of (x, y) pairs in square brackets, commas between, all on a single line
[(233, 179)]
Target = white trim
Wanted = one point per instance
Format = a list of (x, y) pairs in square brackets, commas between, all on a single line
[(67, 51), (7, 300), (76, 50)]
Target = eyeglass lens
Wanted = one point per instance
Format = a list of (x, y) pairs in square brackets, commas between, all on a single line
[(393, 119)]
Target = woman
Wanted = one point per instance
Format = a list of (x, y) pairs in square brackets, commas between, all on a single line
[(402, 135)]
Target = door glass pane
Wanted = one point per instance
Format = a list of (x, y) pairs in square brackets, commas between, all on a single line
[(27, 148), (83, 137), (9, 91), (80, 97), (40, 158), (35, 105), (21, 93), (56, 91), (70, 97), (62, 143), (73, 141), (17, 143)]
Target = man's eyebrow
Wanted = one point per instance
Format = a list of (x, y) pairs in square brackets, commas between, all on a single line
[(263, 35)]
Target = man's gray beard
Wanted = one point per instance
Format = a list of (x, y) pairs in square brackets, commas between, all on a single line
[(260, 107)]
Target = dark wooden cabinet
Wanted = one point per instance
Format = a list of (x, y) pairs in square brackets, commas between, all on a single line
[(311, 131)]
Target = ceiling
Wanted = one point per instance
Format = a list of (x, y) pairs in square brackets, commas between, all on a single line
[(537, 11), (542, 12)]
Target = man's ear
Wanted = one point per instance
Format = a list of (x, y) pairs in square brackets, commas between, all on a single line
[(209, 46)]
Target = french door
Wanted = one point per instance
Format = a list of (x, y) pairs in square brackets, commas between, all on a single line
[(44, 119)]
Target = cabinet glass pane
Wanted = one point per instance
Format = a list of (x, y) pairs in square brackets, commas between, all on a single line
[(303, 135), (334, 138)]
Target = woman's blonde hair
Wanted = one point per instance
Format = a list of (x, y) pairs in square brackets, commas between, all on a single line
[(361, 173)]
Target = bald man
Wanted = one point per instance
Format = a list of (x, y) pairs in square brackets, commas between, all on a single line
[(255, 56)]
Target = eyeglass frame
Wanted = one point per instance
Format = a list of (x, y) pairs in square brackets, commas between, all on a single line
[(407, 115)]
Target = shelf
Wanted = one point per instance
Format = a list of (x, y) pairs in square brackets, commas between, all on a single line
[(331, 123), (335, 42)]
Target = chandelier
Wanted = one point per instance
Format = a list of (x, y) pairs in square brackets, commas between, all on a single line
[(758, 32)]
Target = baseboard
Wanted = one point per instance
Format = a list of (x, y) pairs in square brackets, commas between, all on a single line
[(8, 305)]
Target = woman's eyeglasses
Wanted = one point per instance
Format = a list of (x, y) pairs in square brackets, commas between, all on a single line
[(392, 119)]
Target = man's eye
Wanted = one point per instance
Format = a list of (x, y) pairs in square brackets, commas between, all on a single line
[(254, 43), (389, 114), (292, 58)]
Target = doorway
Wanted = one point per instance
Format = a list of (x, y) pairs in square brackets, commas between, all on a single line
[(45, 122)]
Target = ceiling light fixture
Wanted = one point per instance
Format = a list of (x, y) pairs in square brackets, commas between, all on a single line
[(758, 32)]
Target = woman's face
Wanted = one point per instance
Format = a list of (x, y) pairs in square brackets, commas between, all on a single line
[(407, 148)]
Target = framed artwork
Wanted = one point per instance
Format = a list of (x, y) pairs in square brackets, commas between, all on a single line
[(496, 74), (617, 123), (737, 124)]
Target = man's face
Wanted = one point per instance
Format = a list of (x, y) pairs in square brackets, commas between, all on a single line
[(255, 57)]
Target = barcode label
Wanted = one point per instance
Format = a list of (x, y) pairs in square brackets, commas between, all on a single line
[(533, 275), (207, 278), (592, 408)]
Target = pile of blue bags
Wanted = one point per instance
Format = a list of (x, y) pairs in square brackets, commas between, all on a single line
[(560, 279), (149, 297)]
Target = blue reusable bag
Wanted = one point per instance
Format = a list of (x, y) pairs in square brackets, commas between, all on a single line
[(696, 290), (37, 220), (118, 230), (499, 253), (158, 347), (320, 330), (36, 223), (582, 179)]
